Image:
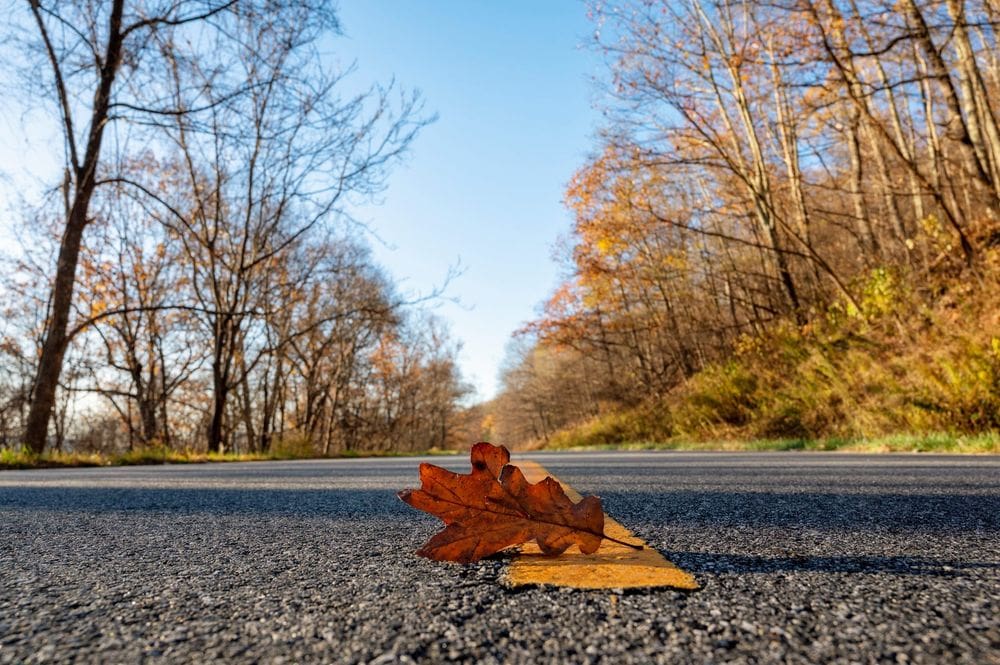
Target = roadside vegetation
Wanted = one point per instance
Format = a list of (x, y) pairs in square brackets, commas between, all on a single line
[(913, 378), (901, 443), (22, 458), (776, 245)]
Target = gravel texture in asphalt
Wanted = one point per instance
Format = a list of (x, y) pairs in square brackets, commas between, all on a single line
[(802, 558)]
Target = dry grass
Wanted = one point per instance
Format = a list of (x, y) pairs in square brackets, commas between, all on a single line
[(906, 376), (906, 443), (21, 458)]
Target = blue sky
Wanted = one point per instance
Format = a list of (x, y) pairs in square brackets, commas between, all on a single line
[(511, 83)]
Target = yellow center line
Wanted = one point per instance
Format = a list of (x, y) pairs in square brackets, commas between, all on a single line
[(613, 566)]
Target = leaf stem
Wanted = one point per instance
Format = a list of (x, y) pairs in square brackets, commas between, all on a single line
[(621, 542)]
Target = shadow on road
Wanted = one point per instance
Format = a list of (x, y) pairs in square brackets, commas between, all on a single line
[(710, 562), (339, 503), (710, 509), (888, 512)]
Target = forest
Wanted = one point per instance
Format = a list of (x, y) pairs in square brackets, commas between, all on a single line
[(788, 229), (192, 280)]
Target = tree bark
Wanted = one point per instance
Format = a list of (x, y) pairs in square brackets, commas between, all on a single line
[(55, 339)]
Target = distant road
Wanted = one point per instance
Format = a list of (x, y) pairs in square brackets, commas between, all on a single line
[(802, 558)]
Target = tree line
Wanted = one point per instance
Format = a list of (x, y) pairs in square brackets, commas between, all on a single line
[(762, 164), (193, 279)]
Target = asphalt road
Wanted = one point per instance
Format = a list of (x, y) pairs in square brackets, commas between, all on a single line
[(802, 558)]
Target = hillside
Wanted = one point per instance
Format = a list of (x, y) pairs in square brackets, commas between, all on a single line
[(918, 369)]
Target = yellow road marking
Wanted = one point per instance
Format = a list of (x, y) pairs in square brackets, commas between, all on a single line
[(613, 566)]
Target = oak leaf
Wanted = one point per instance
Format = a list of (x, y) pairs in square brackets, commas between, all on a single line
[(495, 507)]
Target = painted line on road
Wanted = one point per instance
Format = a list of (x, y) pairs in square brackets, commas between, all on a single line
[(613, 566)]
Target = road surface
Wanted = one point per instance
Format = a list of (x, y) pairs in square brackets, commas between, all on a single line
[(801, 557)]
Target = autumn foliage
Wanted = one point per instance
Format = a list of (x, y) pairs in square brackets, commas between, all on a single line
[(821, 171), (494, 507)]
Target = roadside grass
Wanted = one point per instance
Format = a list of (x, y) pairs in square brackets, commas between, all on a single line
[(21, 458), (940, 442), (907, 373)]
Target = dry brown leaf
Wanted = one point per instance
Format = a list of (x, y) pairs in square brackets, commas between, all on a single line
[(494, 507)]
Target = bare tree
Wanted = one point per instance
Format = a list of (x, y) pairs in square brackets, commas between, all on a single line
[(181, 75), (93, 51)]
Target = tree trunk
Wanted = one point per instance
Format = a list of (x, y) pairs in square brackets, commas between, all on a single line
[(981, 122), (215, 433), (43, 396), (958, 127)]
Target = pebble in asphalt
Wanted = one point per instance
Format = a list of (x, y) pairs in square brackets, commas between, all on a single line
[(803, 558)]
